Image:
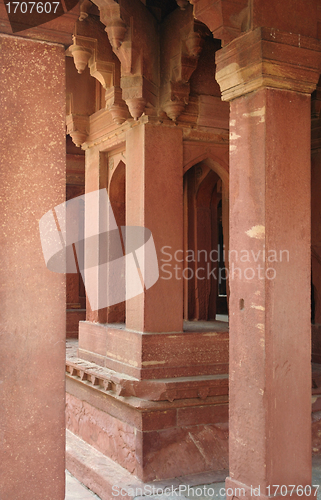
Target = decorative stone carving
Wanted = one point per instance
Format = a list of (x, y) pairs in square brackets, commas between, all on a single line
[(182, 4), (194, 44), (77, 128), (136, 106), (116, 30), (133, 47), (81, 56), (149, 390), (116, 105), (226, 19), (85, 51), (174, 108), (84, 9), (175, 92), (103, 72)]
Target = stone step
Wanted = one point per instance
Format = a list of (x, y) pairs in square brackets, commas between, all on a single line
[(109, 480)]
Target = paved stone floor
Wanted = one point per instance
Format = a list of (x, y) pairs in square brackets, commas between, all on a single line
[(76, 491)]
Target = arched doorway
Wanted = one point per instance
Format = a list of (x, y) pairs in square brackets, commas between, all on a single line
[(117, 196), (205, 242)]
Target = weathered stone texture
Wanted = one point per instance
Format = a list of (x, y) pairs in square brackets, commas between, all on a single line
[(32, 178)]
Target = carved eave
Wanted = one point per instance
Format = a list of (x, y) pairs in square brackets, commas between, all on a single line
[(110, 16), (85, 8), (176, 97)]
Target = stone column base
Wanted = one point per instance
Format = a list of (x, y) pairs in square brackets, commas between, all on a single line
[(157, 428)]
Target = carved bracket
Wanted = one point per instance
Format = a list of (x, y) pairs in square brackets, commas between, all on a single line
[(226, 19), (175, 92), (182, 4), (84, 52), (116, 105), (137, 90), (77, 128)]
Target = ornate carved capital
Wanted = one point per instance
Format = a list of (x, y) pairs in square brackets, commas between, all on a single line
[(268, 58)]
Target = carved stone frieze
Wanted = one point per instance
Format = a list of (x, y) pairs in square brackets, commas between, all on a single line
[(106, 380)]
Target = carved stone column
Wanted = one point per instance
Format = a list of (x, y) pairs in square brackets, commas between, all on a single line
[(268, 76)]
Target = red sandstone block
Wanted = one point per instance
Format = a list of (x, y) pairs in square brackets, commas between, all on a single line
[(92, 338), (159, 420), (124, 346), (72, 322), (110, 436), (188, 348), (92, 357), (191, 449), (103, 402), (202, 415), (184, 371)]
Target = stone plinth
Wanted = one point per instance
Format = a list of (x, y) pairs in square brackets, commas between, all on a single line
[(156, 429), (158, 355)]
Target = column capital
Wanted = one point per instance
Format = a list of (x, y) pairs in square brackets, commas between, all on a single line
[(267, 57)]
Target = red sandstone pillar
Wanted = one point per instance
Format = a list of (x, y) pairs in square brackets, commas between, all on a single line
[(268, 77), (33, 321), (95, 179), (154, 199)]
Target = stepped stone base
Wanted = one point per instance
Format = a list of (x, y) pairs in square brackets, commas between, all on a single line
[(156, 429), (109, 480)]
